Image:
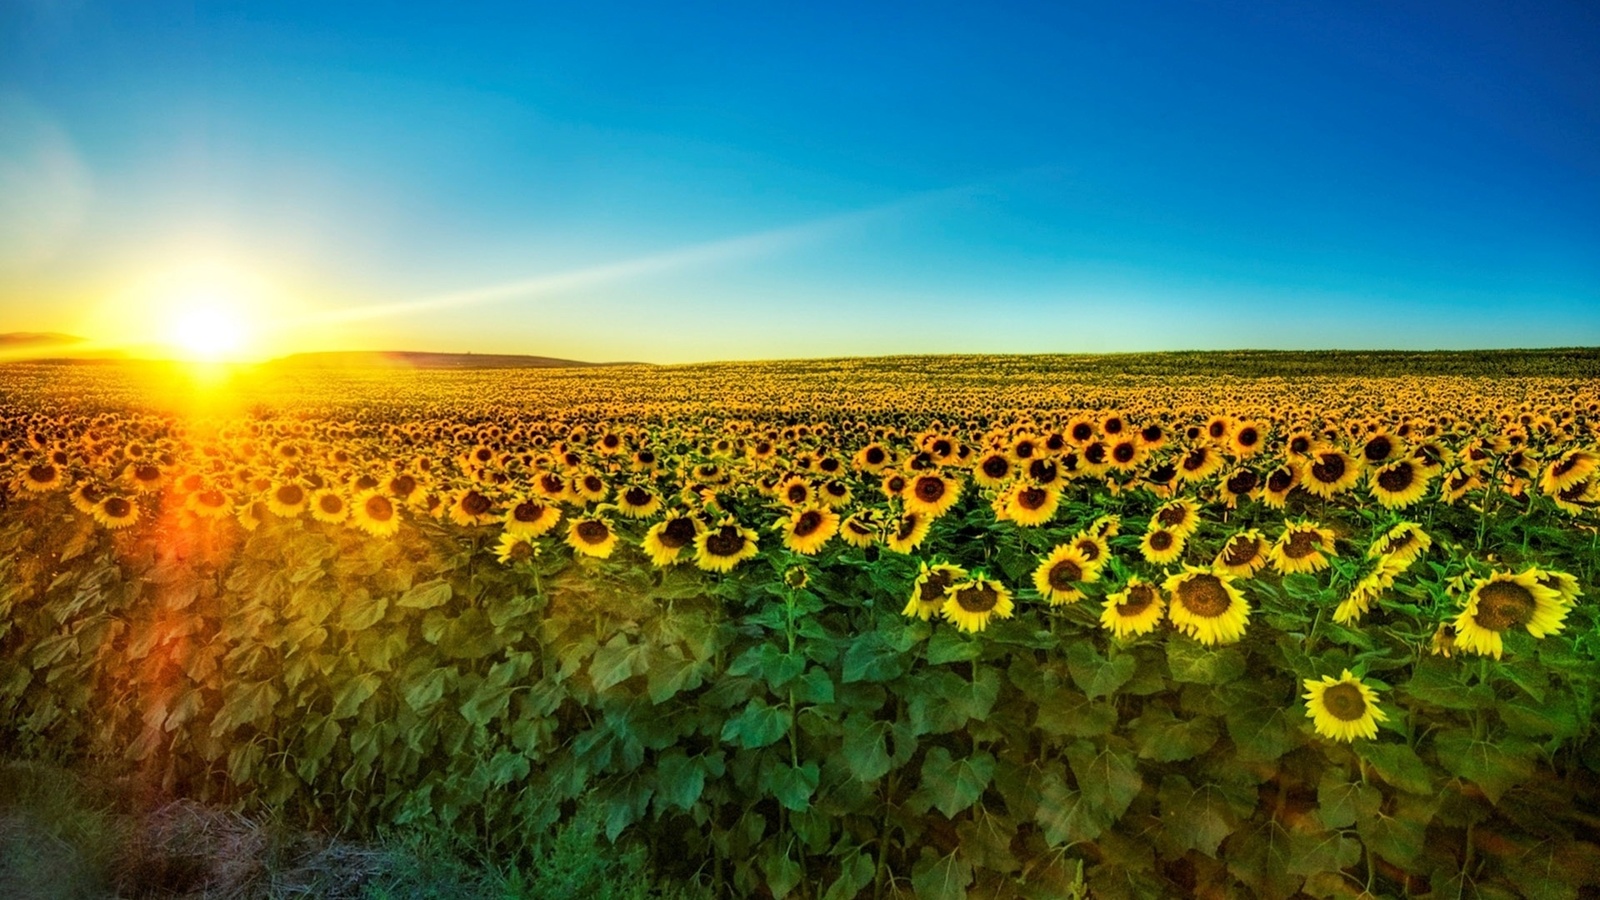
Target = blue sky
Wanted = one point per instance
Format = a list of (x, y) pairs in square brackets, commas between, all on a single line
[(673, 182)]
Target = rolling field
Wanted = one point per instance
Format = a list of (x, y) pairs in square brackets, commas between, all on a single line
[(1128, 626)]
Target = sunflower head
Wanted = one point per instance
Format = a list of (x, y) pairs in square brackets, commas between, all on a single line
[(1343, 709)]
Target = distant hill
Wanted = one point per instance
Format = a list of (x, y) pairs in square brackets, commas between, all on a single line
[(29, 340), (416, 360)]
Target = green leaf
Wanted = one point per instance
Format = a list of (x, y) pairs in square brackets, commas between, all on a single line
[(1398, 765), (248, 704), (426, 595), (1400, 836), (1438, 682), (1341, 802), (816, 686), (1161, 736), (616, 662), (669, 676), (507, 767), (1066, 713), (1495, 767), (1067, 815), (1260, 733), (865, 747), (871, 658), (782, 872), (423, 692), (354, 692), (793, 786), (679, 779), (469, 636), (1107, 776), (1096, 675), (1314, 852), (855, 873), (1194, 663), (1262, 858), (362, 612), (951, 645), (954, 785), (758, 725), (942, 701), (937, 877), (486, 703), (1199, 818)]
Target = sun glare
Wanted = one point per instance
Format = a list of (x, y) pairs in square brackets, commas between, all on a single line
[(208, 329)]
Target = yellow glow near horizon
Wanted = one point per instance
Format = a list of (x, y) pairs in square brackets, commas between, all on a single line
[(208, 328)]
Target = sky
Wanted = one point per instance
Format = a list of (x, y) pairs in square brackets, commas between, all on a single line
[(688, 181)]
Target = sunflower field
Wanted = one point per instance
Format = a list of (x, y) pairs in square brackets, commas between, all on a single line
[(932, 627)]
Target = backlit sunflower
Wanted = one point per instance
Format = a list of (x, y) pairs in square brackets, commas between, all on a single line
[(1303, 547), (1343, 709), (1504, 601), (472, 507), (1244, 554), (116, 512), (287, 500), (1132, 611), (86, 496), (1028, 504), (327, 506), (592, 535), (723, 546), (1206, 605), (972, 603), (930, 590), (375, 513), (1160, 546), (1570, 468), (531, 518), (638, 502), (906, 531), (666, 540), (1059, 574), (931, 493), (42, 477), (806, 530), (209, 503), (1400, 483), (515, 548)]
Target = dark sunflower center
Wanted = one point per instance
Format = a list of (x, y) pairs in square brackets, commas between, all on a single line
[(1196, 459), (797, 493), (42, 473), (932, 589), (1162, 474), (875, 455), (1503, 605), (1249, 437), (1299, 444), (1564, 466), (117, 507), (677, 533), (1396, 478), (1344, 702), (1032, 498), (996, 467), (1161, 540), (330, 503), (1205, 596), (290, 494), (475, 503), (379, 509), (929, 489), (726, 542), (552, 483), (1140, 596), (1378, 449), (527, 511), (593, 484), (1095, 453), (1302, 544), (593, 531), (1328, 469), (145, 472), (1089, 549), (1082, 432), (1217, 429), (212, 498), (1280, 480), (908, 527), (1172, 516), (979, 598), (808, 523), (403, 486), (1243, 482), (1043, 471), (1123, 453), (1063, 574), (636, 496), (1241, 551)]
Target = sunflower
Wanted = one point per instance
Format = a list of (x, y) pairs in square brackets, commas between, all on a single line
[(375, 513), (835, 493), (208, 503), (85, 497), (1247, 440), (1504, 601), (1160, 546), (1243, 555), (993, 469), (1198, 464), (665, 540), (931, 494), (872, 459), (515, 548), (1380, 448), (531, 518), (1443, 642), (893, 484), (589, 487), (970, 604), (1126, 453), (862, 528), (1400, 483), (1206, 605), (1106, 526), (1059, 574), (552, 487), (1343, 709), (1565, 585), (907, 530), (1093, 548), (287, 500), (1570, 468), (1278, 484), (1331, 472), (1132, 611), (1181, 517), (1028, 504), (471, 507), (250, 515), (1405, 541), (1369, 589), (931, 589), (592, 535), (806, 530), (1303, 547), (637, 502), (116, 512), (41, 477), (721, 548), (328, 506)]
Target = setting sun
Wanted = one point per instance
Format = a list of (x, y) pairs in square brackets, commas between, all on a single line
[(208, 330)]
